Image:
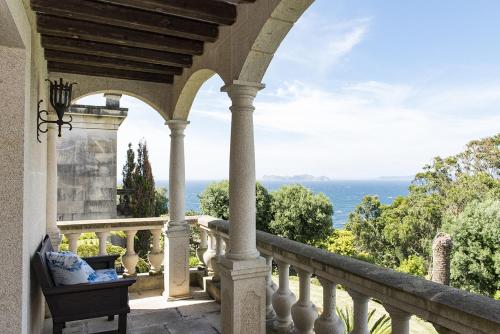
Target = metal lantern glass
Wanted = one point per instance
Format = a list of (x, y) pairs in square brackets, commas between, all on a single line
[(60, 99)]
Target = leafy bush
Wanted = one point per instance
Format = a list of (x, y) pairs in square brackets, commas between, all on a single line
[(214, 201), (341, 242), (301, 215), (475, 264), (161, 202), (414, 265)]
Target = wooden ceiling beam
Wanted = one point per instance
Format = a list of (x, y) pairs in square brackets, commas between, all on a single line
[(108, 72), (213, 11), (71, 28), (128, 18), (116, 51), (97, 61)]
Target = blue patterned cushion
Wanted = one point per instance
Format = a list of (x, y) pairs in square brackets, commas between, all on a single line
[(68, 268), (104, 275)]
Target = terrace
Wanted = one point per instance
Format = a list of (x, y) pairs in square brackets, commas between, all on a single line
[(162, 52)]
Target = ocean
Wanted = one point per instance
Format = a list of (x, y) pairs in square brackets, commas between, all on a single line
[(345, 194)]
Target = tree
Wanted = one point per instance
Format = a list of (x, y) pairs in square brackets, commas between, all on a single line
[(214, 201), (143, 204), (301, 215), (368, 228), (475, 264), (161, 202), (128, 169)]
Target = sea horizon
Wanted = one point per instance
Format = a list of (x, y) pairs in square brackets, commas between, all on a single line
[(345, 194)]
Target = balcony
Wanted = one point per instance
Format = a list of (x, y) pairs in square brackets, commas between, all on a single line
[(402, 297)]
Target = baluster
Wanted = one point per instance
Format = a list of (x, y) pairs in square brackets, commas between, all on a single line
[(155, 256), (73, 241), (219, 251), (400, 320), (130, 258), (329, 322), (103, 236), (210, 252), (303, 311), (270, 288), (360, 302), (202, 248), (283, 300)]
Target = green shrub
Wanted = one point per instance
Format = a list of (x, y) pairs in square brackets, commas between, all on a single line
[(214, 201), (161, 202), (475, 264), (301, 215), (414, 265)]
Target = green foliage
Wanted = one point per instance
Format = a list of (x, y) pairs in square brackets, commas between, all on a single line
[(161, 202), (341, 242), (214, 201), (143, 200), (128, 168), (414, 265), (475, 264), (301, 215), (194, 262), (400, 235), (380, 325)]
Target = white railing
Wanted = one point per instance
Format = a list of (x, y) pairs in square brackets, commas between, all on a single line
[(450, 310), (102, 228)]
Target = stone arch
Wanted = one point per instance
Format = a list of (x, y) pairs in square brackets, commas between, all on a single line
[(189, 91), (242, 52), (272, 33), (156, 95)]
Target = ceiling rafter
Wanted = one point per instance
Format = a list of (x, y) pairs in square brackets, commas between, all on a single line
[(111, 73), (63, 27), (128, 18), (116, 51)]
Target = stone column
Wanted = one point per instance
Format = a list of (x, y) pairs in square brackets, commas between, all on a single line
[(243, 271), (51, 200), (176, 261)]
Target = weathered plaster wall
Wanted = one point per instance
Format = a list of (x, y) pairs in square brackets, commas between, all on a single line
[(22, 168), (86, 164)]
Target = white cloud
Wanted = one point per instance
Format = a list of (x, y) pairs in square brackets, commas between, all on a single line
[(326, 43), (365, 129)]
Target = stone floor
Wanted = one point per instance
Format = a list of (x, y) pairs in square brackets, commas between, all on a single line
[(152, 314)]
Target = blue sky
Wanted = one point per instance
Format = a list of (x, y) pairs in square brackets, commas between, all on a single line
[(358, 89)]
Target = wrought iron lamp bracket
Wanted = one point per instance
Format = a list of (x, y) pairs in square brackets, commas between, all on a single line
[(41, 121)]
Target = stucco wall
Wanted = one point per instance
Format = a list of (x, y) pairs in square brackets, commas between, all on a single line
[(86, 164), (22, 169)]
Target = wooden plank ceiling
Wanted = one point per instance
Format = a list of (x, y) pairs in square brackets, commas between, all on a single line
[(148, 40)]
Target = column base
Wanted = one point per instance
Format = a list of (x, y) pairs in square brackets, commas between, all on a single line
[(243, 295), (176, 262)]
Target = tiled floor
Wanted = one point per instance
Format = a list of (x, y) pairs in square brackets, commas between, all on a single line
[(152, 314)]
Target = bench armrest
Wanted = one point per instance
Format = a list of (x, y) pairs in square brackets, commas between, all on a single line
[(102, 262), (67, 289)]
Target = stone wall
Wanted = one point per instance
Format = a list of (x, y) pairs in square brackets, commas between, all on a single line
[(86, 162)]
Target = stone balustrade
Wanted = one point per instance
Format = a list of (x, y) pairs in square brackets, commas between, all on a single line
[(450, 310), (102, 228)]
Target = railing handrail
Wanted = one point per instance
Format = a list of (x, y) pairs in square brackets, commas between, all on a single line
[(118, 224), (442, 305)]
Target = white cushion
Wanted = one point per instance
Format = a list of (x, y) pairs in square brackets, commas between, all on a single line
[(68, 268)]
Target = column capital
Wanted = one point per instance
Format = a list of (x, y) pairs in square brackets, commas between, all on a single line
[(242, 92), (177, 124)]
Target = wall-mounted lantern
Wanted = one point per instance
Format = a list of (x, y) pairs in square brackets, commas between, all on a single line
[(60, 100)]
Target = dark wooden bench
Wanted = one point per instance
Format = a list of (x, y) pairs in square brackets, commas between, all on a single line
[(83, 301)]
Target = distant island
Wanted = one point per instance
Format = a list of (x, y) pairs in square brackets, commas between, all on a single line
[(295, 178)]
